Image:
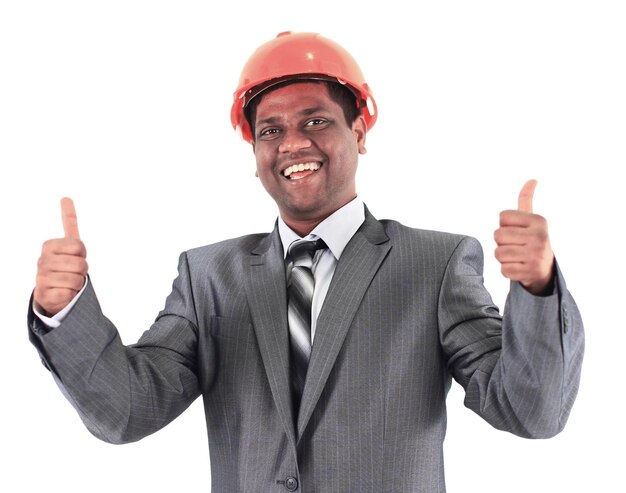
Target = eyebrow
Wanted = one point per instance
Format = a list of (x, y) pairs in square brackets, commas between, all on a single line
[(305, 112)]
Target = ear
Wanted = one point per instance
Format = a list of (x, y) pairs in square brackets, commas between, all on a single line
[(359, 127)]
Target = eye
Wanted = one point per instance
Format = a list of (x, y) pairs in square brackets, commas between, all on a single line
[(315, 122), (268, 132)]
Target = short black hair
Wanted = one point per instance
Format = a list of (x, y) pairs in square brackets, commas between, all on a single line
[(339, 93)]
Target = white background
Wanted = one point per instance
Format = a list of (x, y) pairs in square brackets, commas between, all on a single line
[(124, 106)]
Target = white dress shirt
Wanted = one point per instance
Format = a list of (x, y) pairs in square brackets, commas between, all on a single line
[(336, 231)]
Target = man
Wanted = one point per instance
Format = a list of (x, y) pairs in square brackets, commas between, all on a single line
[(323, 366)]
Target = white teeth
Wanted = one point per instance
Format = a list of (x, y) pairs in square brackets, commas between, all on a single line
[(301, 167)]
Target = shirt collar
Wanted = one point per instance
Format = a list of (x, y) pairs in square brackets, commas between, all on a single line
[(336, 230)]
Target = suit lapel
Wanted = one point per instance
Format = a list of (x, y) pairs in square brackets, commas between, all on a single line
[(355, 270), (267, 298)]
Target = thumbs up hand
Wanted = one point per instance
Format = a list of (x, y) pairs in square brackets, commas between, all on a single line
[(62, 267), (523, 246)]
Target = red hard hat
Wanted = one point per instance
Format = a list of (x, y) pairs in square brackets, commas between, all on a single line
[(299, 56)]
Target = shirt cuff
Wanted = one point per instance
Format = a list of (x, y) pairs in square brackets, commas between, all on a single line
[(54, 321)]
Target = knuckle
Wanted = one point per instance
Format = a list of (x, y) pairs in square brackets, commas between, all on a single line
[(48, 245), (38, 294), (76, 282), (40, 281), (75, 247), (540, 223), (78, 267)]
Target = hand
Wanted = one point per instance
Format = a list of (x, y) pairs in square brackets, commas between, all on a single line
[(523, 244), (62, 267)]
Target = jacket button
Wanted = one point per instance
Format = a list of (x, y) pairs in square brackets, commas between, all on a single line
[(291, 484)]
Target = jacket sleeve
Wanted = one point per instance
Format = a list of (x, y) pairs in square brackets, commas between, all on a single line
[(124, 393), (521, 370)]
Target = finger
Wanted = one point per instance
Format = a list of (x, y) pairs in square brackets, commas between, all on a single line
[(515, 271), (511, 254), (511, 235), (515, 218), (61, 280), (63, 263), (525, 199), (63, 246), (70, 222)]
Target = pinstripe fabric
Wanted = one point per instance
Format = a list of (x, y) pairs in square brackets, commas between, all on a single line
[(406, 313)]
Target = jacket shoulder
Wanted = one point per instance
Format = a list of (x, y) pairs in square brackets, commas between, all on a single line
[(245, 243), (398, 232), (226, 249)]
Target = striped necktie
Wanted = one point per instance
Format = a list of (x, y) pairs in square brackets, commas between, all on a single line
[(300, 295)]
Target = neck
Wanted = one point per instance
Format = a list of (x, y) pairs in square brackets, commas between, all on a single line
[(302, 227)]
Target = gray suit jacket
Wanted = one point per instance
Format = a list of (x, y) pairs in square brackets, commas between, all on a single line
[(406, 312)]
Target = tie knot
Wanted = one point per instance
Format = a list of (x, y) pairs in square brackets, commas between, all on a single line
[(301, 251)]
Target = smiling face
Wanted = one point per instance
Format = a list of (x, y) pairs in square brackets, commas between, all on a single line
[(306, 153)]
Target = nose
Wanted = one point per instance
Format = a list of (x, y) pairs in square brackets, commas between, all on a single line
[(293, 141)]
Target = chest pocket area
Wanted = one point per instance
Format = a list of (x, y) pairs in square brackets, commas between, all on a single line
[(235, 355), (234, 329)]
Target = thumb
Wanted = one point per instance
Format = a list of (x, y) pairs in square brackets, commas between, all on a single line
[(68, 214), (525, 199)]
